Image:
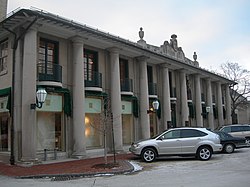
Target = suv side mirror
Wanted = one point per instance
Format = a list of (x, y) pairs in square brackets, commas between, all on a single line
[(160, 138)]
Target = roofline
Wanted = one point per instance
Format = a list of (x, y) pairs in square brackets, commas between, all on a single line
[(46, 15)]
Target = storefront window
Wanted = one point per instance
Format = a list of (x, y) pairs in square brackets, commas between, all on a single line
[(94, 130), (127, 129), (49, 131), (4, 134)]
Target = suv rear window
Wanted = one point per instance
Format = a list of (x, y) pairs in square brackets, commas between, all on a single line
[(246, 128), (187, 133)]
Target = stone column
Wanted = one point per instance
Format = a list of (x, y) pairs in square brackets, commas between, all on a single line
[(210, 104), (29, 96), (184, 104), (198, 108), (18, 102), (166, 97), (228, 105), (144, 100), (220, 107), (116, 98), (79, 143)]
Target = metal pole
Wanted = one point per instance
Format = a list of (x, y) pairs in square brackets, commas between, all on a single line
[(14, 47), (113, 138)]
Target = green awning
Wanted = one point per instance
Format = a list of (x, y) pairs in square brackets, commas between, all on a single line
[(134, 101), (96, 94), (67, 100)]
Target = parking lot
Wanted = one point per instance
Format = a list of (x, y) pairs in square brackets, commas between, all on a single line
[(222, 170)]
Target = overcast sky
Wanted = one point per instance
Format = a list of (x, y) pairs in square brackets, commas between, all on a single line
[(217, 30)]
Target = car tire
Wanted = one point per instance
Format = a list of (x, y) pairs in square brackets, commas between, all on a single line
[(204, 153), (229, 148), (148, 155), (248, 140)]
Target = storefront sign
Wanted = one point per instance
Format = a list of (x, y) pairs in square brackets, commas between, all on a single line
[(93, 105), (3, 104), (126, 107), (53, 103)]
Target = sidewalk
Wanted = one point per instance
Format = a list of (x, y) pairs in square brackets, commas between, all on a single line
[(71, 168)]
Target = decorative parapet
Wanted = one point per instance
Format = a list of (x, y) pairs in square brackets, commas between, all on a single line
[(169, 49), (172, 49)]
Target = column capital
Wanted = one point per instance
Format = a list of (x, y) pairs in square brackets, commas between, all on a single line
[(165, 65), (78, 39), (142, 58), (114, 49)]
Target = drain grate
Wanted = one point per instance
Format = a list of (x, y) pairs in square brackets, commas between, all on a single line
[(62, 178)]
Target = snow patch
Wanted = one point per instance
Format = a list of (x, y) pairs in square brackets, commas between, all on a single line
[(136, 166)]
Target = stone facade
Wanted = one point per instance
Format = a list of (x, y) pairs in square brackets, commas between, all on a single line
[(100, 89)]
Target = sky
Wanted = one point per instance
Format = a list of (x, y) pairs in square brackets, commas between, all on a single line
[(217, 30)]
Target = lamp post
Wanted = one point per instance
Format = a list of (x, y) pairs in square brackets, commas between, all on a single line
[(41, 95)]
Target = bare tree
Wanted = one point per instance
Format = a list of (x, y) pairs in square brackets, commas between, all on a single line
[(239, 92), (104, 125)]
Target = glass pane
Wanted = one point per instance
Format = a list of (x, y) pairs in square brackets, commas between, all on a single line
[(49, 131), (94, 129), (127, 128), (4, 134)]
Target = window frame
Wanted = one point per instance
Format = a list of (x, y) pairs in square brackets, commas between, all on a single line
[(55, 56), (3, 56), (88, 70)]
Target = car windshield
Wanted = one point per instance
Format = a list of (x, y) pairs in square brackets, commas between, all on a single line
[(223, 134), (155, 136)]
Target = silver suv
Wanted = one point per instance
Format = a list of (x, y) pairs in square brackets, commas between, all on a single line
[(179, 141)]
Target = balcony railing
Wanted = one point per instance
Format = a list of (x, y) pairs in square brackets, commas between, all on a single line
[(127, 85), (49, 72), (95, 80), (152, 88)]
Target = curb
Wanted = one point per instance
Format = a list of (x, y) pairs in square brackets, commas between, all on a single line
[(127, 167)]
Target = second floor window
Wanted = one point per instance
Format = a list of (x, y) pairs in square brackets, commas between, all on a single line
[(90, 64), (123, 69), (48, 55), (3, 56)]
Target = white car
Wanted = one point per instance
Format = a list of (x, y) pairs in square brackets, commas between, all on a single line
[(199, 142)]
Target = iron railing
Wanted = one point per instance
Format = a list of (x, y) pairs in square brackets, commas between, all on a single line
[(127, 85), (94, 80), (49, 72)]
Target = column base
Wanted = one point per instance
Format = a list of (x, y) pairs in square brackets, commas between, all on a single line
[(28, 162), (79, 155)]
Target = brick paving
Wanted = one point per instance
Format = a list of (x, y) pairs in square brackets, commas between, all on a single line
[(83, 167)]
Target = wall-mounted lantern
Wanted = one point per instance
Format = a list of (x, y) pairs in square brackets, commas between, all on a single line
[(208, 108), (41, 95), (155, 105)]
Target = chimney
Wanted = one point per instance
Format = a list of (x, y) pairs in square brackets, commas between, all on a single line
[(3, 9)]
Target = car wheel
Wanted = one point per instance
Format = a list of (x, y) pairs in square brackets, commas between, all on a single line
[(248, 141), (204, 153), (148, 155), (229, 148)]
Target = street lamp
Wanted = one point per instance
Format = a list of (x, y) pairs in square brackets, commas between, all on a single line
[(155, 105), (208, 108), (40, 96)]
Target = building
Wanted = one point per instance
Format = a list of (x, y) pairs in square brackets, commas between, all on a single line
[(94, 78)]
